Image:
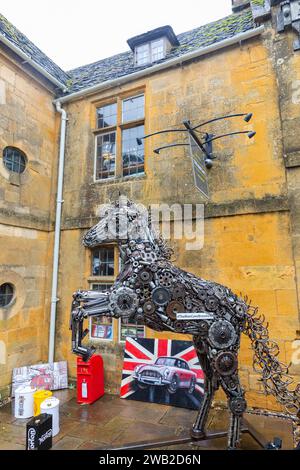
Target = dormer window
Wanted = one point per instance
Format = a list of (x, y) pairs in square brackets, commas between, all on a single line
[(152, 46), (150, 52)]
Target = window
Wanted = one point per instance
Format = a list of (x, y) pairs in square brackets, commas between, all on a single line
[(6, 294), (101, 327), (105, 268), (133, 109), (126, 123), (131, 330), (107, 116), (14, 160), (103, 262), (150, 52), (142, 54), (157, 49), (132, 153), (106, 156)]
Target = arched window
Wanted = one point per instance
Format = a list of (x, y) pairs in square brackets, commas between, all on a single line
[(14, 159)]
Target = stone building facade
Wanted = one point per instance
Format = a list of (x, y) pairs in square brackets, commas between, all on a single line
[(247, 62)]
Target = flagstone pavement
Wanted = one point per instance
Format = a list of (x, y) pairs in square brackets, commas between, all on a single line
[(113, 422)]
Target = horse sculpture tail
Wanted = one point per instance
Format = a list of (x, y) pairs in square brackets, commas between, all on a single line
[(275, 374)]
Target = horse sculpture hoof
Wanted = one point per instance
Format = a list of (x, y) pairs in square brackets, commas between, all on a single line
[(197, 434)]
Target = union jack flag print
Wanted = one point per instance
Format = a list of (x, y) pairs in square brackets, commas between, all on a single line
[(162, 371)]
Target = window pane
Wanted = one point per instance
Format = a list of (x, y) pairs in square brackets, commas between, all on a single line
[(142, 54), (101, 287), (6, 294), (103, 262), (157, 50), (132, 153), (133, 108), (14, 160), (107, 116), (106, 156), (131, 330), (101, 327)]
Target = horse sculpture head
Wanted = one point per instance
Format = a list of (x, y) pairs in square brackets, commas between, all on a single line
[(124, 222)]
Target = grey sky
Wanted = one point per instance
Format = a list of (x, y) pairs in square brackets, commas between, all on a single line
[(75, 33)]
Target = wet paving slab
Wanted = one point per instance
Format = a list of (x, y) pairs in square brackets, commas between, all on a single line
[(112, 422)]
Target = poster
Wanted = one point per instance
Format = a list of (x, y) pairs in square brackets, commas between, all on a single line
[(41, 376), (162, 371)]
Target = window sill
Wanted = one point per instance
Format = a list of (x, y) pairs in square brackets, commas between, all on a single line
[(101, 279), (120, 179)]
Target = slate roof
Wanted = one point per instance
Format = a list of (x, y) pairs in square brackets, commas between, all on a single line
[(22, 42), (123, 64)]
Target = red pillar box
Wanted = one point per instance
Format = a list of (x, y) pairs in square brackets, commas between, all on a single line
[(90, 379)]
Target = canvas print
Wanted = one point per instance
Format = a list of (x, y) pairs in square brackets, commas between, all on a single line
[(162, 371), (41, 376)]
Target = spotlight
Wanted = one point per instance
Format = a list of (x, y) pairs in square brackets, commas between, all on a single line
[(156, 151), (139, 141), (208, 163), (248, 117), (251, 134)]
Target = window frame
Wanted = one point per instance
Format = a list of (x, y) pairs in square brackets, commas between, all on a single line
[(118, 129), (101, 134), (21, 155), (150, 51), (92, 280), (94, 338), (129, 324), (13, 294)]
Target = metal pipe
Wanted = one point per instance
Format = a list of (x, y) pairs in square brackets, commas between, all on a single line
[(33, 64), (164, 65), (59, 202)]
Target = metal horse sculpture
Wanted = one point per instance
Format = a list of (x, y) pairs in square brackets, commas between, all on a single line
[(151, 290)]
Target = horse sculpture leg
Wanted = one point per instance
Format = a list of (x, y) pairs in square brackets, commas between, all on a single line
[(237, 406), (210, 386)]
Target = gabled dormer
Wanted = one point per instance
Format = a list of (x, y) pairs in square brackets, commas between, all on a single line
[(152, 46)]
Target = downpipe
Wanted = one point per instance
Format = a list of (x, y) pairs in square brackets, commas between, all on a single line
[(59, 203)]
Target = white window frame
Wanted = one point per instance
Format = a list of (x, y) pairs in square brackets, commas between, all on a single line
[(93, 338), (119, 331), (150, 54), (102, 180)]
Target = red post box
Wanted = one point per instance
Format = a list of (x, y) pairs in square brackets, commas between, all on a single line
[(90, 379)]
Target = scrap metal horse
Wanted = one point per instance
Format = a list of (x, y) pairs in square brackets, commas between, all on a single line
[(151, 290)]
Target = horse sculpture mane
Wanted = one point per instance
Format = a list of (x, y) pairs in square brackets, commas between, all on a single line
[(152, 290)]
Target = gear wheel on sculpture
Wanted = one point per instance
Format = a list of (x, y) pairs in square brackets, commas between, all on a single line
[(173, 308), (145, 276), (166, 279), (149, 307), (178, 291), (124, 301), (238, 405), (160, 296), (226, 363), (222, 334)]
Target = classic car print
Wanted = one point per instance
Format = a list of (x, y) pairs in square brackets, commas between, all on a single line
[(171, 372)]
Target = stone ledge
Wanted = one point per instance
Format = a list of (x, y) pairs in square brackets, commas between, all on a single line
[(23, 220), (292, 159), (248, 206), (231, 208)]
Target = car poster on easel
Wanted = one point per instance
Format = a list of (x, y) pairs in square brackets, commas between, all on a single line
[(162, 371)]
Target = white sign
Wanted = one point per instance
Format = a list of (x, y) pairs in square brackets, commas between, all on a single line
[(194, 316)]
